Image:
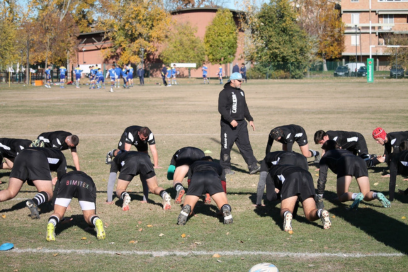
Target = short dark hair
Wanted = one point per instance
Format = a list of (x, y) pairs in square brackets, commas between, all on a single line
[(276, 133), (207, 158), (74, 140), (330, 145), (318, 136), (145, 131), (403, 146)]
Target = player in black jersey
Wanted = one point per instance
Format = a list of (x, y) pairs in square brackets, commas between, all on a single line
[(346, 165), (131, 164), (61, 140), (292, 184), (289, 134), (275, 158), (75, 184), (34, 166), (234, 110), (9, 149), (206, 176), (179, 166), (139, 137)]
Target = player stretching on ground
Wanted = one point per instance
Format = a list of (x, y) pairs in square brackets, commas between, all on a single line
[(81, 186), (206, 176), (9, 149)]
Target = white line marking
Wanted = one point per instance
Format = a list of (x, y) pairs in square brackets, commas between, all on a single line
[(201, 253)]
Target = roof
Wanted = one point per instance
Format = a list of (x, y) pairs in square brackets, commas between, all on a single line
[(235, 12)]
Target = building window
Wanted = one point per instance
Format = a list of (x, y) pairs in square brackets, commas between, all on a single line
[(387, 19), (389, 1), (355, 40), (355, 18), (354, 0)]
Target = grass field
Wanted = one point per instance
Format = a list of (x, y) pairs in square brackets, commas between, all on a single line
[(147, 239)]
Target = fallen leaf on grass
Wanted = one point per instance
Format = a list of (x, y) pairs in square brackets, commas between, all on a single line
[(149, 226), (83, 238), (139, 222), (375, 184), (183, 236), (161, 234), (290, 232), (219, 261), (132, 242), (140, 229), (216, 255), (227, 233), (333, 216), (118, 254), (403, 217), (197, 243), (38, 248), (55, 255), (4, 216)]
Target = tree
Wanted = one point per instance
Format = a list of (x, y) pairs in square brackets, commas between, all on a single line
[(221, 38), (398, 55), (280, 39), (9, 50), (322, 22), (183, 46), (132, 25)]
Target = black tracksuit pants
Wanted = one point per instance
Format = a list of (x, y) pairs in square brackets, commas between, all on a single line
[(238, 135)]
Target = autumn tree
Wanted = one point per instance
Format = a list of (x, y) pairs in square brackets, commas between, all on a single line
[(398, 55), (9, 51), (220, 38), (279, 38), (132, 25), (183, 45), (322, 22)]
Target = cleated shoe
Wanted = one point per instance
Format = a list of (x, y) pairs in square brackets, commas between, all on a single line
[(226, 211), (166, 202), (228, 171), (184, 213), (100, 231), (325, 219), (357, 201), (35, 212), (207, 199), (126, 202), (384, 201), (50, 232), (108, 158), (254, 169), (179, 196), (287, 222)]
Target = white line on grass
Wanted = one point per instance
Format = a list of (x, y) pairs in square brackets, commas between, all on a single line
[(202, 253)]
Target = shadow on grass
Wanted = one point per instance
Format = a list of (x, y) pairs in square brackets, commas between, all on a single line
[(207, 209), (77, 220), (387, 230), (134, 196), (44, 208)]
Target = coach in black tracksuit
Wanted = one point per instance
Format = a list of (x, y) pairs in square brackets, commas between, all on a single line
[(234, 110)]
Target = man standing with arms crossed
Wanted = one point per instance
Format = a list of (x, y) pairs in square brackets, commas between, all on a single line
[(234, 110)]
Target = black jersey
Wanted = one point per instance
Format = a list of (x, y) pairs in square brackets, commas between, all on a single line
[(56, 159), (10, 148), (284, 157), (394, 140), (291, 181), (291, 134), (200, 166), (341, 162), (232, 105), (131, 164), (398, 165), (186, 156), (352, 141), (131, 136), (55, 139)]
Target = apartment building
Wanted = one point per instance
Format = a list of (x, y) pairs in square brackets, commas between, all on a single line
[(388, 17)]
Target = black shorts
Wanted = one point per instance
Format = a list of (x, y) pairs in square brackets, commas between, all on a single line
[(189, 156), (31, 165), (205, 182), (351, 166), (298, 184), (141, 146), (132, 168), (302, 140), (77, 185)]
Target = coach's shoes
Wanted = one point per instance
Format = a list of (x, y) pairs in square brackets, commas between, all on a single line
[(126, 202), (325, 217), (184, 213), (35, 212), (166, 202), (357, 201), (228, 171), (226, 211), (179, 196), (100, 231), (384, 201), (319, 202), (50, 232), (253, 169), (287, 221)]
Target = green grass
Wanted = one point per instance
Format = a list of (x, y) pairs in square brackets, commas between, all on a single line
[(186, 115)]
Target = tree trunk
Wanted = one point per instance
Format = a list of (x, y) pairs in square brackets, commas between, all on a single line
[(324, 65)]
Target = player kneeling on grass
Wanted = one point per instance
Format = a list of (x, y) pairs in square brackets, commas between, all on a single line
[(294, 184), (131, 164), (179, 166), (79, 185), (34, 166), (206, 176), (346, 165)]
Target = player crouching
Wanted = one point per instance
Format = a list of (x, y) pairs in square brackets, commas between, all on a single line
[(79, 185), (206, 176)]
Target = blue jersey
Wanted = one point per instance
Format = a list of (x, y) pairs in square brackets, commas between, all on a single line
[(118, 71), (220, 71), (124, 73), (204, 70), (99, 73), (78, 71), (173, 71), (169, 72), (95, 71), (48, 72), (112, 73), (62, 71), (130, 71)]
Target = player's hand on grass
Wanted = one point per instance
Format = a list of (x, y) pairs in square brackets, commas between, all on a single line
[(157, 167)]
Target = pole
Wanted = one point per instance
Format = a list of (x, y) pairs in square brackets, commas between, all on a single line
[(361, 53), (355, 69), (28, 62), (396, 63)]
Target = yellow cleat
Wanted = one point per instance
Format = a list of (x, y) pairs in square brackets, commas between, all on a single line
[(100, 231), (50, 232)]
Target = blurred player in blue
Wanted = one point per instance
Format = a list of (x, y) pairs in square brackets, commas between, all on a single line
[(163, 74), (78, 73), (62, 76), (118, 72), (100, 78), (124, 76), (48, 77), (219, 74), (242, 70), (112, 74), (169, 76), (173, 75), (205, 70), (130, 75)]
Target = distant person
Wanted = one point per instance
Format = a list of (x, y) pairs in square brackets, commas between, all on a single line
[(174, 75), (169, 76), (243, 72), (112, 74), (140, 74), (205, 72), (164, 74), (235, 69), (130, 75), (48, 77), (220, 73), (78, 74), (62, 70), (118, 72)]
